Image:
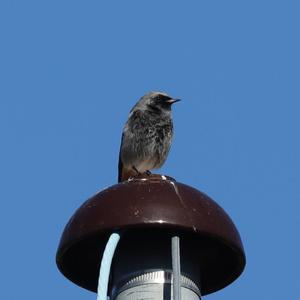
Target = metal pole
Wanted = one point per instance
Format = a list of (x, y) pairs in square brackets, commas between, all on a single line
[(155, 285)]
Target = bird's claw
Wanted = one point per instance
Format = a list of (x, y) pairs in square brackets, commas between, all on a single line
[(136, 170)]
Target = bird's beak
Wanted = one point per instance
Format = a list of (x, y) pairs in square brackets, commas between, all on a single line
[(171, 101)]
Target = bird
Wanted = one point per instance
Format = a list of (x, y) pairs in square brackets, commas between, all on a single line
[(147, 135)]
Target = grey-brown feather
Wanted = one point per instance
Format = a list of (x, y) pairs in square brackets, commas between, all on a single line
[(146, 138)]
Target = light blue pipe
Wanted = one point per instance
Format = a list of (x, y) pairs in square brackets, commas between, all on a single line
[(105, 266), (176, 268)]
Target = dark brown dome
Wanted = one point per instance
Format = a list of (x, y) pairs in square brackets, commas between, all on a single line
[(159, 204)]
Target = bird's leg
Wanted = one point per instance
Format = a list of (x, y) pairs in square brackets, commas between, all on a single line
[(136, 170)]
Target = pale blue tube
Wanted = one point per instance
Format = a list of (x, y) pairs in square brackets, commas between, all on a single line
[(176, 268), (105, 266)]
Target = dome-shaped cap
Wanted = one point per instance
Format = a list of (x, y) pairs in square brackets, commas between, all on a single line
[(159, 203)]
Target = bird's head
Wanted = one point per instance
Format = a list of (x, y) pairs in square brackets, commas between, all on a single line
[(156, 101)]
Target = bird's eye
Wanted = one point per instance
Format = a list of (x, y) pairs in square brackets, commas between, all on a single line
[(163, 98)]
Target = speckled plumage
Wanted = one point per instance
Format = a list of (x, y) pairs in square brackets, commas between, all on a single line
[(147, 135)]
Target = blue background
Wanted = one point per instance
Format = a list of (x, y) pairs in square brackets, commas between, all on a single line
[(70, 71)]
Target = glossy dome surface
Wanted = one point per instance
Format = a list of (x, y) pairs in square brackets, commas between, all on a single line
[(155, 203)]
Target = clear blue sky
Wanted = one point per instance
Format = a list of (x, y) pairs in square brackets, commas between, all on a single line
[(70, 71)]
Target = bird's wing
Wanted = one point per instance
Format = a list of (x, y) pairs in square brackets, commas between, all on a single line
[(120, 165), (124, 171)]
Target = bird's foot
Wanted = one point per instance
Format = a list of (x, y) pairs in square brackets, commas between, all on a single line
[(136, 170)]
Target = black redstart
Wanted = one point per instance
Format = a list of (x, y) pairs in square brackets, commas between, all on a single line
[(147, 135)]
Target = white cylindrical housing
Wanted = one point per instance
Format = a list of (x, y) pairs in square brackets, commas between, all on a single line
[(155, 285)]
